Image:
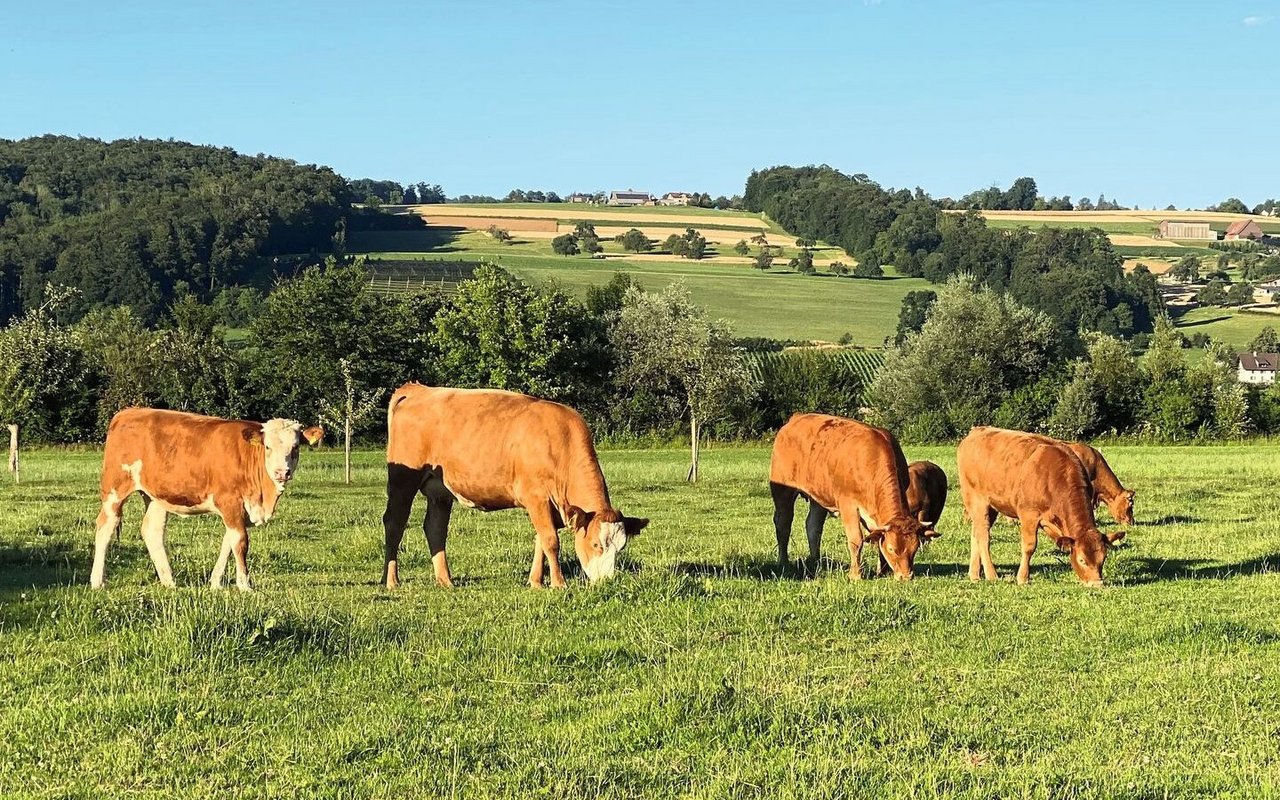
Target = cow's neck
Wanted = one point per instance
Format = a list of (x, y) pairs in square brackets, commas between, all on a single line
[(585, 488), (890, 500), (268, 495)]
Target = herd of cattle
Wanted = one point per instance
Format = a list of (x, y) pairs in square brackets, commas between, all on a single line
[(492, 450)]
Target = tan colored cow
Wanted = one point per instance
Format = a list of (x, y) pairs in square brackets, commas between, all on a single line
[(926, 491), (1106, 486), (187, 464), (1041, 483), (854, 471), (492, 450)]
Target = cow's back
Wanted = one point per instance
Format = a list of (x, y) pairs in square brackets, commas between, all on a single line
[(926, 491), (830, 458), (486, 443), (1016, 470), (175, 456)]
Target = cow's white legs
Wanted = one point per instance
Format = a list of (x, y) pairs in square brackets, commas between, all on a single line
[(153, 522), (107, 525), (220, 567), (241, 548)]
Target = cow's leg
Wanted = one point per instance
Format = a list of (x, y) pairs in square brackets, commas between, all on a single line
[(403, 484), (153, 522), (107, 526), (852, 519), (980, 544), (813, 532), (234, 541), (436, 526), (1030, 531), (535, 569), (784, 509), (548, 542)]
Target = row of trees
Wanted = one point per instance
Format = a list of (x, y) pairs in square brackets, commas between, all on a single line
[(375, 193)]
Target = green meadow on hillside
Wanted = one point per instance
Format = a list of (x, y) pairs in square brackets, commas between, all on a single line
[(701, 670)]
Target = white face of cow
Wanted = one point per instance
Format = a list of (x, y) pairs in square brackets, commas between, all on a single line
[(598, 538), (281, 439)]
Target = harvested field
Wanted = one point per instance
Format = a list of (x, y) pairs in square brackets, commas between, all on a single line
[(1156, 267), (1133, 240), (559, 212), (522, 224)]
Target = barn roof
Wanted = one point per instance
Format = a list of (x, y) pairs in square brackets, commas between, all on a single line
[(1239, 227), (1263, 362)]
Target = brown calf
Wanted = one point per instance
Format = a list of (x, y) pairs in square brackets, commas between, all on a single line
[(926, 491), (1106, 486), (1039, 482), (855, 471), (187, 464)]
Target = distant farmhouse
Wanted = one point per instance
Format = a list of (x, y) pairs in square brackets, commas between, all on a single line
[(676, 199), (1258, 368), (630, 198), (1244, 229), (579, 198), (1171, 229)]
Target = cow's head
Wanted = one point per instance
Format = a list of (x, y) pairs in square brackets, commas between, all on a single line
[(1087, 552), (899, 539), (1121, 507), (280, 440), (598, 537)]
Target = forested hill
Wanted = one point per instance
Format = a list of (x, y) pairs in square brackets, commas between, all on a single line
[(127, 221), (1072, 274)]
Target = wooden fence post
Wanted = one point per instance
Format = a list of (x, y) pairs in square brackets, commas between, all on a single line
[(13, 452)]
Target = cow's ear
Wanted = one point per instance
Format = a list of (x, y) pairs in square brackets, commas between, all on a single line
[(1065, 543), (929, 533), (314, 435), (253, 436), (876, 534), (577, 518), (632, 526), (1112, 538)]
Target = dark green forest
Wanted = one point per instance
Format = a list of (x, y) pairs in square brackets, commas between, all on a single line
[(134, 221), (1074, 275)]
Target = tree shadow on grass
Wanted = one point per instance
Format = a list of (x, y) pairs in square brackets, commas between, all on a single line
[(23, 568), (1153, 570)]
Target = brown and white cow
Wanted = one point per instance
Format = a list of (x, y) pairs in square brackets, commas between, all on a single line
[(854, 471), (926, 491), (1041, 483), (491, 450), (187, 464), (1106, 486)]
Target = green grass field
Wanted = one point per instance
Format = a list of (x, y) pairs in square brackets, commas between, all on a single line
[(1236, 328), (701, 671)]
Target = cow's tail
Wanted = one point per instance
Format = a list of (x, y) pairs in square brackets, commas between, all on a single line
[(397, 397)]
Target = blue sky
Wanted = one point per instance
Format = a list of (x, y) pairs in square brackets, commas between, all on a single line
[(1144, 102)]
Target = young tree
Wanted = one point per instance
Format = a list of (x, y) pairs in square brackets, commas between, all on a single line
[(1187, 269), (804, 262), (868, 266), (344, 416), (1239, 294), (500, 235), (1076, 413), (838, 268), (676, 245), (565, 245), (1213, 294), (584, 229), (764, 260), (662, 338), (742, 248)]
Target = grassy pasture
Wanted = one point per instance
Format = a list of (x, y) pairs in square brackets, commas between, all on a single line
[(700, 671), (1236, 328)]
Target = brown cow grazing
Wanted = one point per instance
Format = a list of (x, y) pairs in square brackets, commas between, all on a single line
[(926, 491), (492, 450), (855, 471), (187, 464), (1039, 482), (1106, 486)]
